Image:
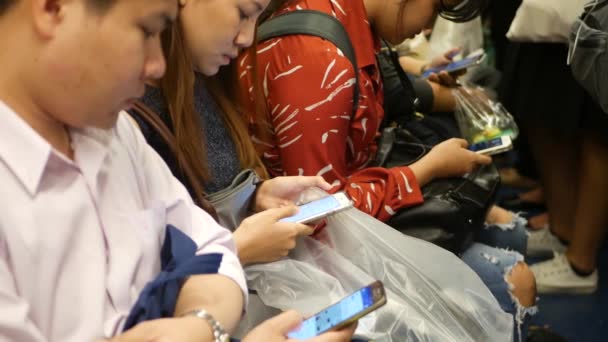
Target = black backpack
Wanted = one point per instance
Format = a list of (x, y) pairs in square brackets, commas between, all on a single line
[(453, 208)]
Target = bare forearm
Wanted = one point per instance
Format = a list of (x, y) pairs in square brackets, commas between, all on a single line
[(243, 247), (424, 170), (411, 65), (443, 98), (216, 294)]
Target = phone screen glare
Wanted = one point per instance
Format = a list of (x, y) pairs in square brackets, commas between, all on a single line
[(314, 208), (335, 314), (486, 144), (453, 66)]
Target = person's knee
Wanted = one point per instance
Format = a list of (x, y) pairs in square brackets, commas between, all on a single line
[(523, 284)]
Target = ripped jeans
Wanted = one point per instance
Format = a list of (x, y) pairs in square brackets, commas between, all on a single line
[(493, 264), (510, 236)]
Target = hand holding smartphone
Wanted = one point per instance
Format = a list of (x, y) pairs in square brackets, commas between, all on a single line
[(343, 313), (464, 63), (320, 208)]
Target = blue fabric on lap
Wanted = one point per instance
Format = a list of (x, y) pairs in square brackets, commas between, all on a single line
[(178, 261)]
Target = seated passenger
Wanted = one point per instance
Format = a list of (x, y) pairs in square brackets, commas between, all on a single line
[(86, 202), (210, 133)]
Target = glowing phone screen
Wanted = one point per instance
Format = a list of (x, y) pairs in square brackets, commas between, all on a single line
[(486, 144), (335, 314), (454, 66), (313, 208)]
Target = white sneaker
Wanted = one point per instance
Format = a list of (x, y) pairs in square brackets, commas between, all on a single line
[(542, 242), (556, 276)]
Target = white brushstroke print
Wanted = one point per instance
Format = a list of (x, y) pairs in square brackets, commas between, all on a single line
[(389, 210), (326, 135), (364, 126), (291, 141), (333, 94), (325, 170), (275, 109), (342, 73), (284, 122), (288, 72), (287, 127), (329, 67), (270, 46), (338, 6), (408, 188), (266, 80), (281, 113)]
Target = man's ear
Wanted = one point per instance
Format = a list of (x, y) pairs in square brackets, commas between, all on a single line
[(47, 15)]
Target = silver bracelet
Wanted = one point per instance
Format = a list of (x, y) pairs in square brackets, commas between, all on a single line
[(219, 334)]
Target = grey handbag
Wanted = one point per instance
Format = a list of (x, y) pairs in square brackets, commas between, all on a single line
[(228, 206), (232, 203)]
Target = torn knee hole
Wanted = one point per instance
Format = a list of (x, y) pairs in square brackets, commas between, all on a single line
[(522, 284)]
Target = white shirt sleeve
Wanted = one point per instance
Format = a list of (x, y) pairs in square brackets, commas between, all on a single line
[(209, 236), (15, 323)]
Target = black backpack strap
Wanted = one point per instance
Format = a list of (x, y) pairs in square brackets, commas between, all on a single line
[(313, 23), (388, 61)]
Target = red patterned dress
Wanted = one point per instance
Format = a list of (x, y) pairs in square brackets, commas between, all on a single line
[(308, 85)]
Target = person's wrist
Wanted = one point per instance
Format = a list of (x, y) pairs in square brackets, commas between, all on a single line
[(242, 247), (259, 191), (198, 327), (425, 170), (424, 67), (207, 325)]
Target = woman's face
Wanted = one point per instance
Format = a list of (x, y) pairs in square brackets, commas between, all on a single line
[(215, 30), (417, 15)]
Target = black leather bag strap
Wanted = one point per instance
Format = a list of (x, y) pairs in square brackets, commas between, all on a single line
[(388, 60), (313, 23)]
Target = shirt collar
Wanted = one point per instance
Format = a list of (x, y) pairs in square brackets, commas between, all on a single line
[(28, 154), (22, 149)]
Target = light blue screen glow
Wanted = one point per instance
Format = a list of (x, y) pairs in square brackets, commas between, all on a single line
[(335, 314), (313, 208)]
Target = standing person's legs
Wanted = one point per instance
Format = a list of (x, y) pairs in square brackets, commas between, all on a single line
[(558, 158), (591, 214), (575, 271)]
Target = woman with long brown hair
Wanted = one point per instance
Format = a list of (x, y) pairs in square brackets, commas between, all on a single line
[(196, 100)]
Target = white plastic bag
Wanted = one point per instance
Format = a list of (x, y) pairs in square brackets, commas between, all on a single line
[(432, 295), (545, 20)]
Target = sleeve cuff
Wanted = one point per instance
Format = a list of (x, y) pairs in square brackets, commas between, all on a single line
[(414, 193)]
